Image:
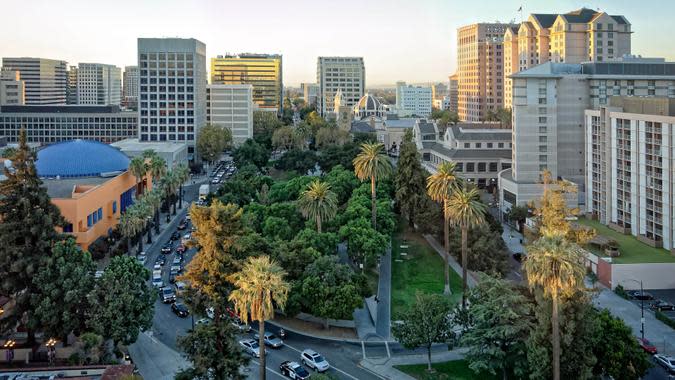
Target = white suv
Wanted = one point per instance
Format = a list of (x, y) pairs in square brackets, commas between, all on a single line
[(314, 360)]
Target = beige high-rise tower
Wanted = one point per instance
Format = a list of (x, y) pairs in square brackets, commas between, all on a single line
[(480, 70), (579, 36)]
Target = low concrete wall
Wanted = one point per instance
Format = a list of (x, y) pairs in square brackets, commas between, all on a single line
[(331, 322), (652, 275)]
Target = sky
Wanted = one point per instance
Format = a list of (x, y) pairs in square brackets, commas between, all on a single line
[(409, 40)]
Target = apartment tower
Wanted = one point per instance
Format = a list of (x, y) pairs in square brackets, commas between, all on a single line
[(262, 71), (45, 79), (340, 73)]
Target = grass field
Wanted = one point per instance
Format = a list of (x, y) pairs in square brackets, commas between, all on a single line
[(632, 250), (420, 270), (452, 370)]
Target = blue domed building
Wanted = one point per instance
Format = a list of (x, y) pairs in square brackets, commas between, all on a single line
[(80, 158)]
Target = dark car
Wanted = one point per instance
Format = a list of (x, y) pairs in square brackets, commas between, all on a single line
[(647, 346), (638, 295), (180, 249), (175, 236), (662, 306), (161, 260), (293, 370), (182, 225), (166, 248), (180, 310), (167, 294)]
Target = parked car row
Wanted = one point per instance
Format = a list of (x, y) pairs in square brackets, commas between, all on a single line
[(222, 171), (655, 304)]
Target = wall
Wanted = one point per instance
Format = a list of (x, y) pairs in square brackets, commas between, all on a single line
[(653, 275)]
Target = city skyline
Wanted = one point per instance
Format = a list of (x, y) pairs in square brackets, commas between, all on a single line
[(383, 33)]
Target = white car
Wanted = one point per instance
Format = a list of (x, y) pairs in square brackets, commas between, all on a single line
[(314, 360), (667, 362), (157, 266), (157, 282), (251, 347), (142, 258)]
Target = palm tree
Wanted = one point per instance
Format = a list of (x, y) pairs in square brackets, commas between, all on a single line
[(372, 163), (157, 168), (183, 173), (318, 202), (465, 210), (439, 187), (139, 169), (140, 212), (127, 228), (153, 200), (555, 265), (259, 285), (170, 186)]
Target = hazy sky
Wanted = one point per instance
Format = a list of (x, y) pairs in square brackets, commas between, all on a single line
[(411, 40)]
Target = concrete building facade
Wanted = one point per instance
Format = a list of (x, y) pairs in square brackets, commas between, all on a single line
[(413, 100), (172, 90), (344, 73), (99, 84), (71, 85), (12, 88), (130, 85), (45, 79), (231, 106), (453, 92), (263, 71), (310, 92)]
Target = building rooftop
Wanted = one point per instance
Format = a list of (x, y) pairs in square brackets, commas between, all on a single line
[(426, 127), (399, 123), (62, 109), (80, 158), (64, 188), (487, 134), (131, 145), (546, 20), (465, 154), (626, 66)]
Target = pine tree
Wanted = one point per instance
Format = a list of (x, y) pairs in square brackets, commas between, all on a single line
[(410, 179), (27, 231)]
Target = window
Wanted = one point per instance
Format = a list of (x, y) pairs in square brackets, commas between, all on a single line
[(100, 213), (467, 145), (470, 167), (479, 145), (542, 119), (542, 168), (114, 207), (481, 167), (493, 166), (543, 158), (459, 167), (489, 145), (89, 220), (542, 148), (542, 100), (500, 145), (68, 227), (542, 139)]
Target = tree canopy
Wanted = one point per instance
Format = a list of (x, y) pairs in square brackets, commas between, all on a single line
[(212, 140)]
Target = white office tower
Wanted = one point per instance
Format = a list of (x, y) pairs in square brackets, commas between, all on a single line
[(345, 73), (130, 86), (45, 79), (172, 90), (413, 100), (231, 106), (99, 84)]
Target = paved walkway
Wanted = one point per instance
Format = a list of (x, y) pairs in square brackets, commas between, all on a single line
[(154, 359), (471, 281), (383, 321), (384, 367)]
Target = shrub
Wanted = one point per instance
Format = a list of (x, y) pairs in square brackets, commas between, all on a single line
[(661, 316), (621, 292)]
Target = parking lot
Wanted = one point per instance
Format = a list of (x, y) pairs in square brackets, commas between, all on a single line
[(658, 295)]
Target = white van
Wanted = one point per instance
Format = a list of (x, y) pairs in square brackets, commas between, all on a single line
[(157, 279)]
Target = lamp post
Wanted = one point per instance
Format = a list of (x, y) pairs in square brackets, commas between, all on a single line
[(51, 350), (642, 307), (9, 354)]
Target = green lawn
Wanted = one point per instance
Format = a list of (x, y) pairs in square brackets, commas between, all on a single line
[(632, 250), (421, 270), (452, 370)]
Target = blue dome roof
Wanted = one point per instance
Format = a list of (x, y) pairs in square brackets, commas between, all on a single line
[(79, 158)]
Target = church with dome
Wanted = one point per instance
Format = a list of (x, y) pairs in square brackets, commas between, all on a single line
[(369, 106)]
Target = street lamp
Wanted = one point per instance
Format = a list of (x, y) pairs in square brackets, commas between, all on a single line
[(51, 350), (9, 346), (642, 306)]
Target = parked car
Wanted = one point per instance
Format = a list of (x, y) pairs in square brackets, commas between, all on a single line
[(180, 249), (647, 346), (293, 370), (271, 340), (314, 360), (176, 268), (142, 258), (168, 295), (180, 310), (98, 274), (180, 287), (175, 236), (157, 282), (166, 248), (638, 295), (186, 238), (172, 277), (161, 260), (662, 306), (667, 362), (203, 321), (157, 266), (239, 324), (251, 347), (182, 225)]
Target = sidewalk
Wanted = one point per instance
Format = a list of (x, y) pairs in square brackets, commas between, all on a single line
[(385, 366), (471, 281), (154, 359)]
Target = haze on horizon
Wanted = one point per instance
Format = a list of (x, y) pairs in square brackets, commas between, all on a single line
[(414, 41)]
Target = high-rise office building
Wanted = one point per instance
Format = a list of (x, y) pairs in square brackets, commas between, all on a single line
[(172, 90), (99, 84), (231, 106), (45, 79), (262, 71), (130, 87), (12, 88), (453, 92), (579, 36), (413, 100), (344, 73), (439, 90), (71, 85), (480, 71), (310, 92)]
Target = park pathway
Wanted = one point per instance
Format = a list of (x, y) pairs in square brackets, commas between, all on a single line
[(383, 322)]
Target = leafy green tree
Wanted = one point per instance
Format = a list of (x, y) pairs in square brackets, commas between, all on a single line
[(318, 202), (334, 155), (250, 152), (326, 136), (122, 302), (283, 191), (372, 164), (277, 228), (62, 285), (364, 243), (329, 290), (323, 242), (486, 250), (8, 153), (285, 138), (425, 323), (409, 180), (342, 182), (617, 351), (298, 160), (500, 321), (465, 211), (212, 140), (518, 214), (27, 232), (264, 125), (444, 118), (214, 352)]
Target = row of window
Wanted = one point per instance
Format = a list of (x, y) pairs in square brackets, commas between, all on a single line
[(170, 137), (94, 217), (500, 145)]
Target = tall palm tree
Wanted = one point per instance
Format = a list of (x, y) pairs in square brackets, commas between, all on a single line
[(139, 169), (153, 200), (465, 210), (127, 228), (157, 168), (183, 173), (439, 187), (372, 164), (318, 202), (140, 212), (170, 186), (555, 265), (259, 285)]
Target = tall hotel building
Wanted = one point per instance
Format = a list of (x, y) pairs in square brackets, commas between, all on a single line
[(172, 90), (130, 86), (45, 79), (579, 36), (480, 70), (99, 84), (231, 106), (262, 71), (340, 73)]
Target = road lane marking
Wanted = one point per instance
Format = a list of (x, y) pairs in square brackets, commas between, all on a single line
[(269, 369), (333, 367)]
